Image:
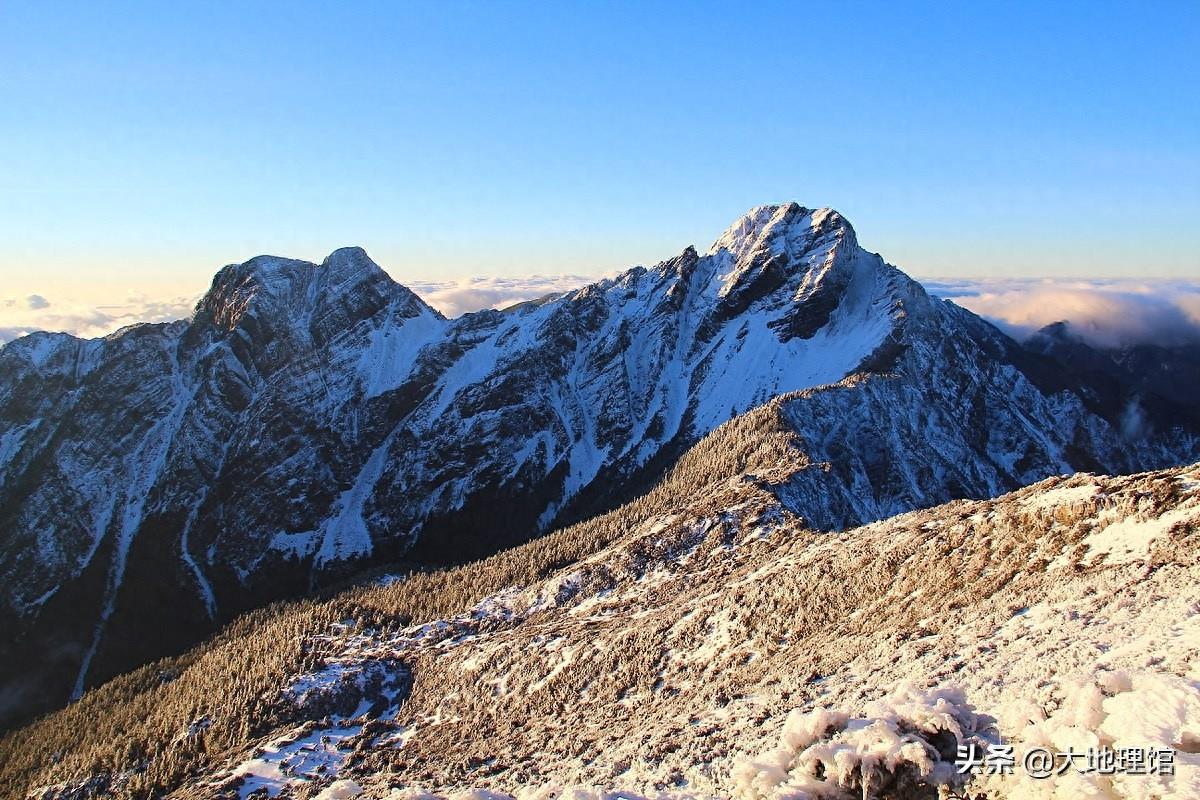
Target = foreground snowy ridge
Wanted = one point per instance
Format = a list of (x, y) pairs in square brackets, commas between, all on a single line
[(725, 652)]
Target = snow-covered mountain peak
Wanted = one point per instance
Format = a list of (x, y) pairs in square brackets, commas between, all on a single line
[(353, 261), (282, 291), (787, 246), (350, 267), (776, 228)]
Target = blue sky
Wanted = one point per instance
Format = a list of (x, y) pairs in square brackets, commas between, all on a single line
[(147, 144)]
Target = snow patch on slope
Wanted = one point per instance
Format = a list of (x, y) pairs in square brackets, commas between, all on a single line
[(1131, 539), (296, 759), (345, 533), (389, 356)]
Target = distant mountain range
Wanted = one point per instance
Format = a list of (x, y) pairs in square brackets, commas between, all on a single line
[(311, 421)]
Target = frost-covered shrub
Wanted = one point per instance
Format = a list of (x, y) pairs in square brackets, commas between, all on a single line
[(903, 747)]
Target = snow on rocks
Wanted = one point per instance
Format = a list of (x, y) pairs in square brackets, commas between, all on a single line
[(361, 684), (304, 756)]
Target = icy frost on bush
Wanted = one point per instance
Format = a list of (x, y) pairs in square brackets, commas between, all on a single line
[(904, 746)]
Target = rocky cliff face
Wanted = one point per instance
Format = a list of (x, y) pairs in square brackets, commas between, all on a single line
[(313, 419)]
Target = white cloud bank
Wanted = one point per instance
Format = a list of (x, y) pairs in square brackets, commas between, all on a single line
[(1108, 313), (454, 298), (19, 316)]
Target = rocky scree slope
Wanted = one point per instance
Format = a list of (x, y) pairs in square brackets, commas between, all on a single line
[(310, 420)]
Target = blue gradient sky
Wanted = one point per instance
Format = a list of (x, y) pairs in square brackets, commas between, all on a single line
[(147, 144)]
